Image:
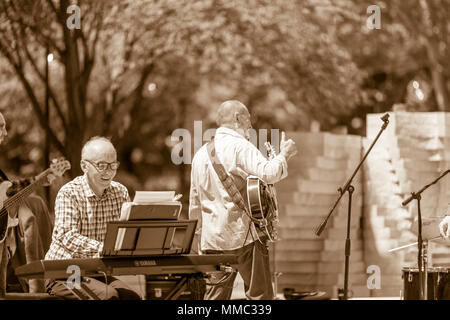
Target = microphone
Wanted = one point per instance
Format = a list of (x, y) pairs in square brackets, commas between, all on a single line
[(319, 230), (415, 194), (411, 197), (385, 117)]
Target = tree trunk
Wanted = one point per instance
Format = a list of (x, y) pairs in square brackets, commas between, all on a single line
[(440, 89), (436, 68), (74, 143)]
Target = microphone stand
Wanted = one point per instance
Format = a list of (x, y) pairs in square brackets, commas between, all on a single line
[(420, 257), (350, 189)]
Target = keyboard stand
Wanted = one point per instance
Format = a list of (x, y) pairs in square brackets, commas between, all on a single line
[(194, 283), (185, 283), (84, 293), (177, 290)]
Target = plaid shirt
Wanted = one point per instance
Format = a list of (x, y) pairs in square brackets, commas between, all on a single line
[(81, 219)]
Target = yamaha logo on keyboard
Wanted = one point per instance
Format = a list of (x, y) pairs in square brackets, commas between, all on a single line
[(143, 263)]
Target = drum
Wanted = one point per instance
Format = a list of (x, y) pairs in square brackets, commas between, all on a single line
[(438, 283)]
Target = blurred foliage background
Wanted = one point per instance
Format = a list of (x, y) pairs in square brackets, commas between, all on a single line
[(137, 70)]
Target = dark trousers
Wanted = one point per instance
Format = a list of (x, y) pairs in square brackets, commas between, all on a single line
[(108, 288), (254, 268)]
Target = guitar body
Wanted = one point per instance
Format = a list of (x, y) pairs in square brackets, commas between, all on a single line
[(263, 206), (262, 202), (260, 199)]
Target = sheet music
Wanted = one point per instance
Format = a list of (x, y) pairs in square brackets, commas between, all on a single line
[(125, 211), (119, 239), (148, 197), (124, 216), (143, 198)]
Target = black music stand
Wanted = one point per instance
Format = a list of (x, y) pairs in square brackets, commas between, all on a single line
[(350, 189), (148, 238)]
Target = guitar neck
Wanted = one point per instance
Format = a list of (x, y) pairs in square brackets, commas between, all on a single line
[(270, 151), (271, 154), (25, 192)]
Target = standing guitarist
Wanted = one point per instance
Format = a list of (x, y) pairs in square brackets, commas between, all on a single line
[(224, 225)]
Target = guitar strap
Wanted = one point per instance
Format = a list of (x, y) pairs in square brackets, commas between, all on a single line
[(226, 179)]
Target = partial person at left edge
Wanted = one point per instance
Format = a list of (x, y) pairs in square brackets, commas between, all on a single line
[(25, 230)]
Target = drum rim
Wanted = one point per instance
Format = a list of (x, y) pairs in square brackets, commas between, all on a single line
[(429, 269)]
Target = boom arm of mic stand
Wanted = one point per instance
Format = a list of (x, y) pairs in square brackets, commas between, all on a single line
[(320, 229), (415, 194)]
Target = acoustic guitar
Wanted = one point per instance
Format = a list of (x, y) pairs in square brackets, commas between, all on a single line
[(262, 202)]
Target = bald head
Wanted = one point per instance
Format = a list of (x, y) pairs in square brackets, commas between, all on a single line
[(230, 111), (95, 147)]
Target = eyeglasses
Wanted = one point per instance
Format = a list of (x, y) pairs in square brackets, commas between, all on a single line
[(102, 166)]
